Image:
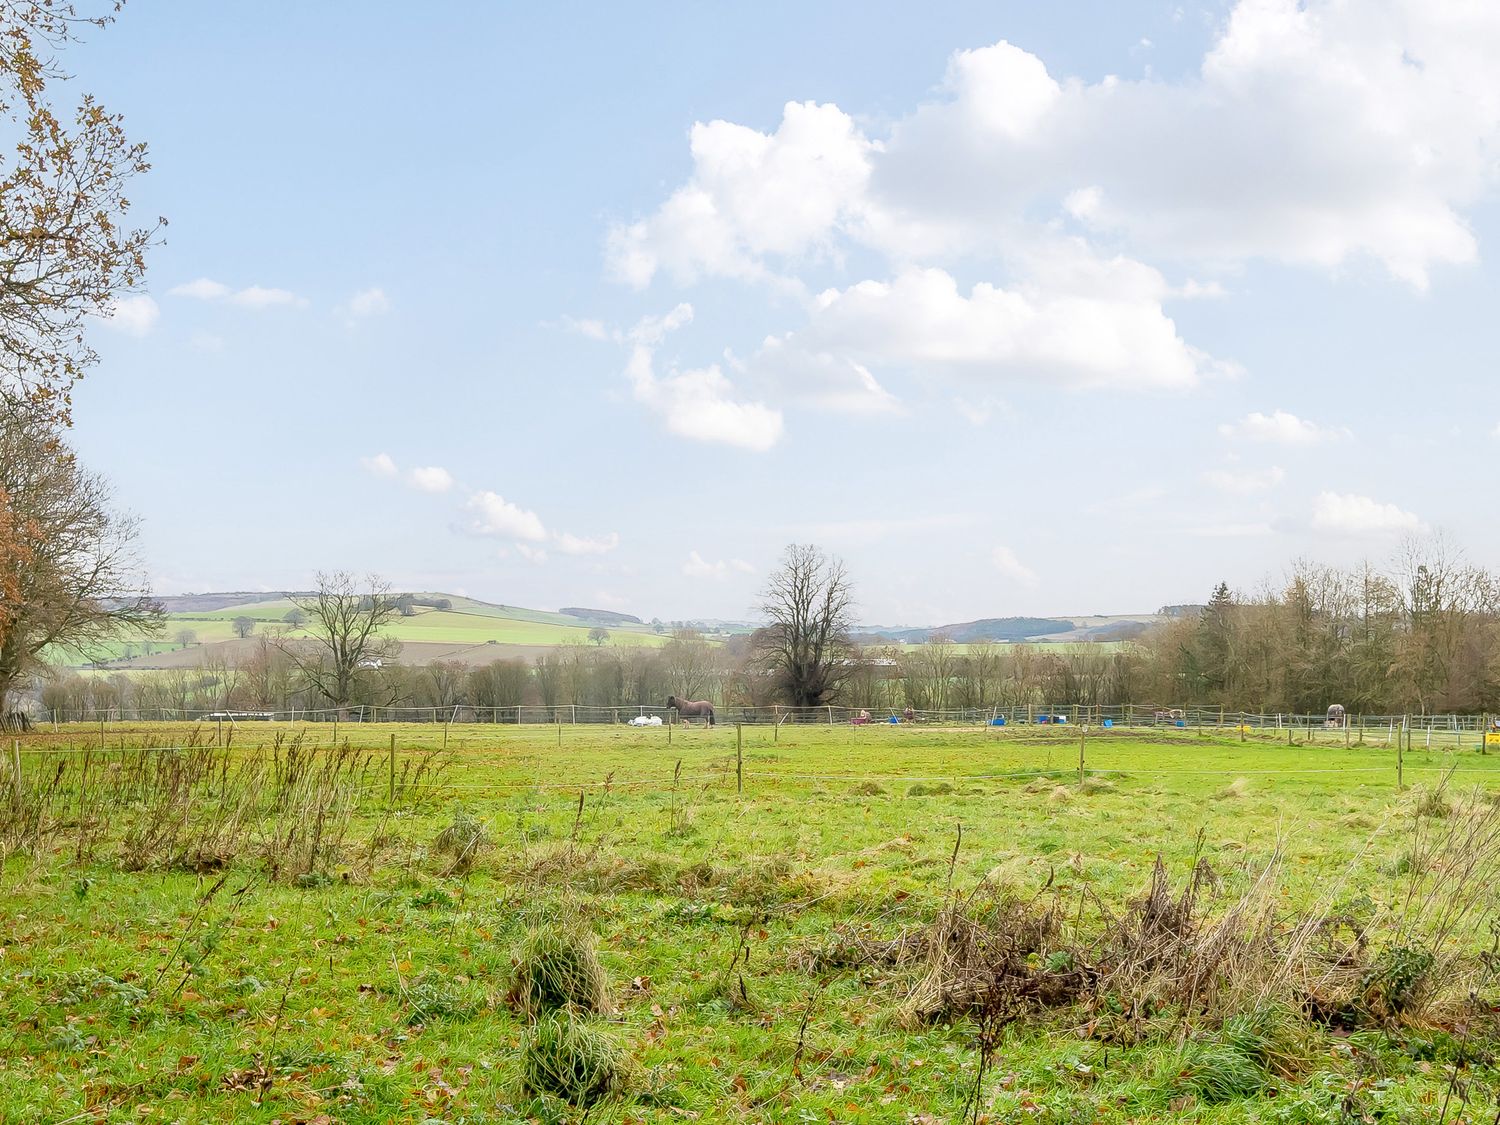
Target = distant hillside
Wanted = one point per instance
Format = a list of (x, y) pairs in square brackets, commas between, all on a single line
[(1016, 630), (968, 632), (600, 616), (208, 603)]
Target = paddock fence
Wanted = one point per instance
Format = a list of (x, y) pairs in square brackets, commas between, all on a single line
[(1430, 730)]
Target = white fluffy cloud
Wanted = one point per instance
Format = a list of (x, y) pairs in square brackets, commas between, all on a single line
[(753, 196), (719, 569), (1349, 514), (1005, 561), (1246, 483), (1079, 321), (493, 514), (582, 545), (1313, 133), (699, 404), (1317, 133), (432, 478), (369, 302), (1280, 428), (201, 289), (250, 297), (134, 316), (380, 465)]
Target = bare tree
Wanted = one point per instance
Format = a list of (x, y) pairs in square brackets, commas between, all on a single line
[(66, 253), (70, 577), (243, 627), (345, 622), (185, 637), (808, 603), (598, 634), (295, 617), (689, 663)]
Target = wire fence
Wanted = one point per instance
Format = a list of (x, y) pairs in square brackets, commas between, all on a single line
[(1431, 730)]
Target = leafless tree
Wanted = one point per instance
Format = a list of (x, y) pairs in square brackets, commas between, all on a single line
[(69, 575), (808, 603), (688, 661), (243, 627), (345, 621), (598, 634)]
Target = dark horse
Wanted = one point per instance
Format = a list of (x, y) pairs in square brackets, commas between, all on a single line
[(702, 709)]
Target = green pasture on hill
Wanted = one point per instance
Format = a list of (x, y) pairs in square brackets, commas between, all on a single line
[(371, 981)]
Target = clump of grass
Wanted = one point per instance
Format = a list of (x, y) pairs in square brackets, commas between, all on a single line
[(1092, 785), (1244, 1056), (924, 789), (1434, 803), (432, 996), (564, 1056), (463, 840), (1061, 795), (1234, 790), (558, 967), (868, 789)]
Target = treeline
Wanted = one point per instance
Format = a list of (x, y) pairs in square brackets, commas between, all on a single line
[(1421, 635)]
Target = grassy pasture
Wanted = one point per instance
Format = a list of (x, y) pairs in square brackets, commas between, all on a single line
[(372, 986)]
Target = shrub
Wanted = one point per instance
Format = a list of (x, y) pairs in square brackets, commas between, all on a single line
[(1395, 983), (564, 1056), (557, 967)]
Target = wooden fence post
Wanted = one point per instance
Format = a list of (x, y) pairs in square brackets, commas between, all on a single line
[(739, 758), (391, 786), (1083, 733)]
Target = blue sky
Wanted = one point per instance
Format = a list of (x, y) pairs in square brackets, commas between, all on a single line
[(1018, 308)]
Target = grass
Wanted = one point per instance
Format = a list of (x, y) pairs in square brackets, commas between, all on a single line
[(375, 984)]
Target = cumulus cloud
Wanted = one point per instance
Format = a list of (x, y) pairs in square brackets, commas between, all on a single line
[(432, 478), (1005, 561), (201, 289), (369, 302), (753, 196), (134, 316), (1281, 428), (251, 297), (582, 545), (1076, 321), (1349, 514), (1314, 132), (720, 569), (493, 514), (700, 404), (1246, 483), (380, 465)]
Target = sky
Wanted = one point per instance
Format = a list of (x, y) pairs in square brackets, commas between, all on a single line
[(1016, 308)]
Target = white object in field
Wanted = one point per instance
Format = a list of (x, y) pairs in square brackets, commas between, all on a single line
[(646, 721)]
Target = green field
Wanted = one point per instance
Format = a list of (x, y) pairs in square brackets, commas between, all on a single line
[(467, 623), (367, 978)]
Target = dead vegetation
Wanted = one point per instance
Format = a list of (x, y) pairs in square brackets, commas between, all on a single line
[(1188, 954), (198, 806)]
